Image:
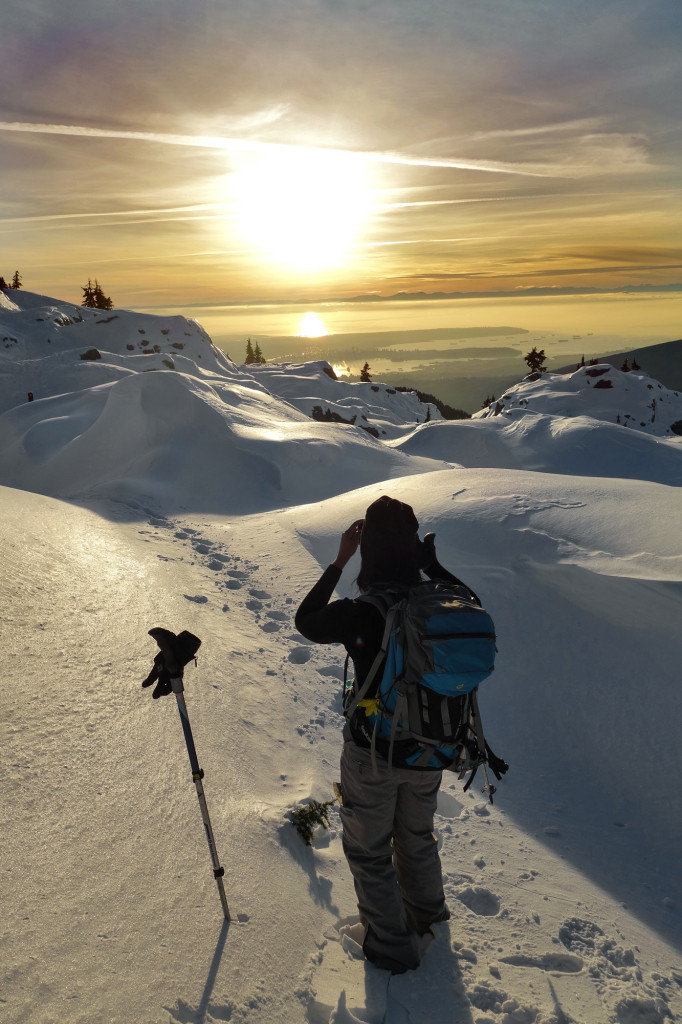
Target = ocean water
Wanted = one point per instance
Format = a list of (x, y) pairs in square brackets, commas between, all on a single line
[(460, 350), (612, 322)]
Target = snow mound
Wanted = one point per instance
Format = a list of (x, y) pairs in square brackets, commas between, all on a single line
[(186, 443), (379, 408), (576, 446), (52, 347), (629, 399)]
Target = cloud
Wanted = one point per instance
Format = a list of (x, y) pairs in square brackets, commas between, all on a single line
[(594, 154), (160, 213), (576, 125)]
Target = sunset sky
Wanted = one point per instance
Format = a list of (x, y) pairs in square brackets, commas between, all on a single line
[(215, 152)]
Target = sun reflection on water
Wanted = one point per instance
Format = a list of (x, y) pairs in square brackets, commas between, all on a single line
[(311, 326)]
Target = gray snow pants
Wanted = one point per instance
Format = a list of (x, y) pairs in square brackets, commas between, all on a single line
[(388, 840)]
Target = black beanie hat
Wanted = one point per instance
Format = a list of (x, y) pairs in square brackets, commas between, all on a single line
[(389, 513), (388, 546), (388, 520)]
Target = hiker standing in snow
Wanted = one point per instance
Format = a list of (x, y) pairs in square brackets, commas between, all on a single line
[(387, 811)]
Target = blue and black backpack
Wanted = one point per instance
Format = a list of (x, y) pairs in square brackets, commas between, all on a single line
[(438, 645)]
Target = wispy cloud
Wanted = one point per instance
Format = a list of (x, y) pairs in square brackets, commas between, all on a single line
[(563, 168), (555, 272), (585, 124), (215, 209)]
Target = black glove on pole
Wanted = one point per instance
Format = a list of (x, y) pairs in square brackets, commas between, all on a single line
[(174, 653)]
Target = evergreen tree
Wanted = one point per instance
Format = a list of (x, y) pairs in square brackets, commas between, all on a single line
[(88, 296), (635, 364), (94, 297), (3, 284), (16, 280), (625, 368), (250, 355), (258, 356), (536, 360), (102, 301), (364, 374)]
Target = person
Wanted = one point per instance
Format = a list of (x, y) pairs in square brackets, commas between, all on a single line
[(387, 811)]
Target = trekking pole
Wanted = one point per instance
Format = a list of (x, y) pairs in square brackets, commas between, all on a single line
[(176, 652)]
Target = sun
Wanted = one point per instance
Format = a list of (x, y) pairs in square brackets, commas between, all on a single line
[(304, 208)]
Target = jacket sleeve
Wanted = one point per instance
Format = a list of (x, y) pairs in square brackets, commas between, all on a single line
[(317, 619)]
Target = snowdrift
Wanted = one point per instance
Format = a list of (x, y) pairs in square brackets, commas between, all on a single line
[(631, 399), (185, 443), (577, 446)]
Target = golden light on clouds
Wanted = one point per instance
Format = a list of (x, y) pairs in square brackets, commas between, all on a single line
[(311, 326), (303, 208)]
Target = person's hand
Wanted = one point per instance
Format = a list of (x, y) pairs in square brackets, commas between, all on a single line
[(426, 551), (349, 543)]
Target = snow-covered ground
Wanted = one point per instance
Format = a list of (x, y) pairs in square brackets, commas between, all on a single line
[(206, 498)]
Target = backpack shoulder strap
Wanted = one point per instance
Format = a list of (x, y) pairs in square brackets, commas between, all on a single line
[(390, 614), (383, 599)]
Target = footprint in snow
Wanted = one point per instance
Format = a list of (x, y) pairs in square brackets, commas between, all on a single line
[(563, 963), (271, 627), (580, 936), (480, 901), (300, 655), (333, 671), (262, 595), (279, 616), (197, 598), (448, 805), (234, 584)]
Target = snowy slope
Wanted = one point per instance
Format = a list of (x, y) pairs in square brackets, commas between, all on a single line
[(201, 499), (103, 426), (632, 399), (579, 446), (306, 385)]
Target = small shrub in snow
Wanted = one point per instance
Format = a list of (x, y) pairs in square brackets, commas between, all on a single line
[(309, 816), (327, 416)]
